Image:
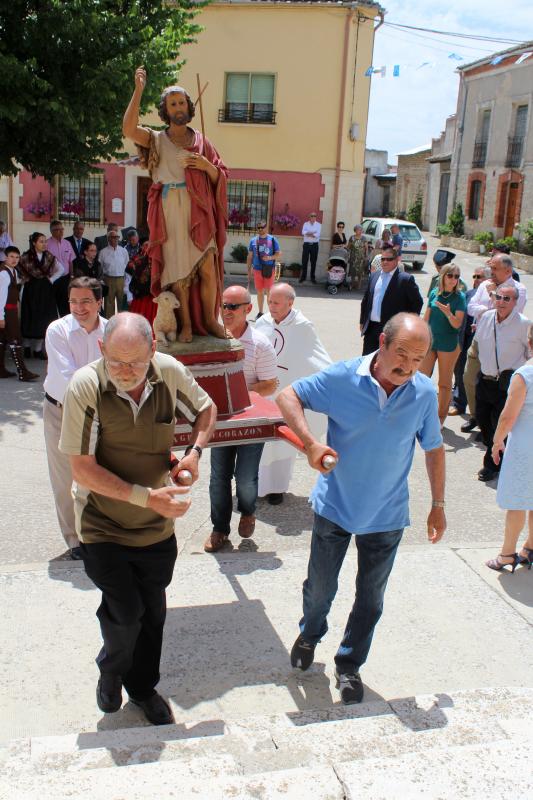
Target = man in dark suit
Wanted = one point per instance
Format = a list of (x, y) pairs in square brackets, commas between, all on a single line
[(389, 292), (77, 240)]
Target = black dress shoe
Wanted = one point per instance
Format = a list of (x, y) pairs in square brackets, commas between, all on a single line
[(156, 710), (275, 498), (486, 475), (301, 280), (75, 553), (40, 355), (469, 425), (109, 693), (351, 687)]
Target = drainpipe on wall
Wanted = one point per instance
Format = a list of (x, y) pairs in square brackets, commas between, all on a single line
[(349, 20), (461, 134), (10, 206)]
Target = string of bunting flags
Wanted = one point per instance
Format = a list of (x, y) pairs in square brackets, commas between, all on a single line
[(431, 64)]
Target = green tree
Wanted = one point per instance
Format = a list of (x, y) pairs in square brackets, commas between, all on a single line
[(414, 212), (67, 71), (456, 220)]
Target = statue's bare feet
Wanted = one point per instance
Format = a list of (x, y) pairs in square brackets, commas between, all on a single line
[(218, 330), (185, 336)]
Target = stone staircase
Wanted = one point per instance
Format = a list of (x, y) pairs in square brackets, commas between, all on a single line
[(470, 744)]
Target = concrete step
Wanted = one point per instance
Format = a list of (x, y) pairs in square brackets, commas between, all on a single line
[(493, 771), (496, 771), (275, 744)]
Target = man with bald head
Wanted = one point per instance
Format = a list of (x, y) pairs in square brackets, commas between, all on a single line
[(377, 407), (300, 353), (240, 461), (118, 427)]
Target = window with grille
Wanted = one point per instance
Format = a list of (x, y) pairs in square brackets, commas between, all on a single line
[(248, 204), (482, 138), (249, 98), (475, 200), (80, 198)]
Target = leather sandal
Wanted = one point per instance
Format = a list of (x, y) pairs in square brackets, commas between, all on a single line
[(215, 542)]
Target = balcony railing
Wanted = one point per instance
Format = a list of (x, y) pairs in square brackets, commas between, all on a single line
[(514, 151), (480, 154), (249, 115)]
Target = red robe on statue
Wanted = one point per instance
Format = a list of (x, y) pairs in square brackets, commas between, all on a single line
[(209, 220)]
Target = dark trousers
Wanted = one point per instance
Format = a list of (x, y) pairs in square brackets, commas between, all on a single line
[(490, 400), (133, 609), (61, 294), (241, 461), (459, 392), (371, 337), (375, 557), (310, 251)]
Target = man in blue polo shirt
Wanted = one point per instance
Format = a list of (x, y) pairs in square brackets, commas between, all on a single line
[(377, 407)]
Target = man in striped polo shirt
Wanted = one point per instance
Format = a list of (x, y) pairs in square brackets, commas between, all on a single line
[(118, 427), (241, 461)]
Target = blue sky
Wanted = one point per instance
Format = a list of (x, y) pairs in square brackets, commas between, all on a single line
[(409, 110)]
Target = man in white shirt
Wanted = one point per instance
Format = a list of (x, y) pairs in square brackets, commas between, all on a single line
[(502, 341), (300, 353), (311, 233), (71, 343), (501, 268), (241, 461), (62, 250), (114, 260)]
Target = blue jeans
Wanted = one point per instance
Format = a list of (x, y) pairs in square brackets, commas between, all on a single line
[(375, 557), (241, 461)]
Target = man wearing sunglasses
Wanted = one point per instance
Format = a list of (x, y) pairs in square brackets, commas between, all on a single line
[(501, 274), (502, 341), (240, 461), (263, 252), (389, 292)]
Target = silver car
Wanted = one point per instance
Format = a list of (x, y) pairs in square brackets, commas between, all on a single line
[(414, 248)]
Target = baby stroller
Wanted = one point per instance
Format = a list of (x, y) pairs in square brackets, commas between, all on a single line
[(337, 270)]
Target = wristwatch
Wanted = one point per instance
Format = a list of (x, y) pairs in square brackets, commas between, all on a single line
[(438, 503), (194, 447)]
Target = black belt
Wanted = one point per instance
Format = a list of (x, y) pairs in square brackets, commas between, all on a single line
[(53, 400), (489, 377)]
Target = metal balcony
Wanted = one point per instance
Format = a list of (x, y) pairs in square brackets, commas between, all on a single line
[(514, 151), (248, 115), (480, 154)]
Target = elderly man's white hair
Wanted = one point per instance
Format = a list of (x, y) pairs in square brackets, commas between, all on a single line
[(287, 290), (135, 325)]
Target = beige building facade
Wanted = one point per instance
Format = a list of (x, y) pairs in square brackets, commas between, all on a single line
[(492, 162)]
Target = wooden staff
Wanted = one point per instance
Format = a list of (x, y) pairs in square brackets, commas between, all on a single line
[(220, 284)]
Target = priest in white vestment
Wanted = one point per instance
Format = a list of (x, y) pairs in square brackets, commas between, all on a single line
[(300, 353)]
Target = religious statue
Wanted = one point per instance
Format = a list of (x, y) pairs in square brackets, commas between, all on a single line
[(187, 209)]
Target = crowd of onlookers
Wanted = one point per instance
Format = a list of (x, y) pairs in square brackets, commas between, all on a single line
[(480, 336), (41, 275)]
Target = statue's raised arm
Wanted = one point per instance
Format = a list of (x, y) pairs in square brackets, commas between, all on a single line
[(187, 209)]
